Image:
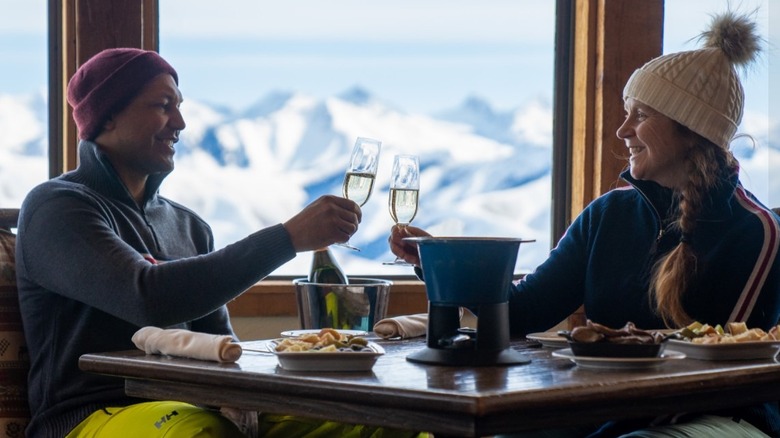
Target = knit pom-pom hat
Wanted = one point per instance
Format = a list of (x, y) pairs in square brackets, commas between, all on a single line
[(700, 88), (107, 82)]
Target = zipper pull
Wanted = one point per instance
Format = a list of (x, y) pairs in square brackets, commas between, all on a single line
[(654, 248)]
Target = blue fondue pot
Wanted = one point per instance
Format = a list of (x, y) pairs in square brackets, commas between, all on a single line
[(467, 270)]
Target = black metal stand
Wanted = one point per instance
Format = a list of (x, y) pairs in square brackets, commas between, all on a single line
[(488, 345)]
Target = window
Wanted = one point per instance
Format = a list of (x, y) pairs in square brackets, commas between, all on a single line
[(275, 96), (587, 170), (627, 33), (23, 99)]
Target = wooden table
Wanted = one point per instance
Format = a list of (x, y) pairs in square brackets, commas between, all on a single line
[(456, 401)]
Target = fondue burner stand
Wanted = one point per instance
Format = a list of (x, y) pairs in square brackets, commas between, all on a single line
[(474, 273), (449, 344)]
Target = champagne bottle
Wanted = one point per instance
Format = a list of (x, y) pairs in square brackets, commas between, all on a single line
[(325, 269)]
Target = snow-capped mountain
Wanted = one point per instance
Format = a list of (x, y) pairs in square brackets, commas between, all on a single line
[(288, 149), (484, 172)]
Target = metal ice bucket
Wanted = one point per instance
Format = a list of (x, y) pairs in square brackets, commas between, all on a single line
[(356, 306)]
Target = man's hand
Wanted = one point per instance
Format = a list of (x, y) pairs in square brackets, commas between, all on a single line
[(327, 220)]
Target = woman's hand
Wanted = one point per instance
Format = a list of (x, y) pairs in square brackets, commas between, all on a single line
[(405, 250)]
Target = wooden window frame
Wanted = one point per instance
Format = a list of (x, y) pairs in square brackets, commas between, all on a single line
[(587, 95)]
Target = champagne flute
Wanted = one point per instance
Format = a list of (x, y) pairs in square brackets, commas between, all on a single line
[(404, 192), (361, 173)]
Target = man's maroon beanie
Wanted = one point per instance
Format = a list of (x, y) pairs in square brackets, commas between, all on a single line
[(107, 82)]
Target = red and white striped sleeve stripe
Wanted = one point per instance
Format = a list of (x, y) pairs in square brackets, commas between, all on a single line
[(764, 261)]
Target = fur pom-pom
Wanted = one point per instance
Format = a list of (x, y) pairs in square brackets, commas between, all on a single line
[(736, 36)]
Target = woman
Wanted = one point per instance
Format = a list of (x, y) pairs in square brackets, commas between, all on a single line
[(684, 241)]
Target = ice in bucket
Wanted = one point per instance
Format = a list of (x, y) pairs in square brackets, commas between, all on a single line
[(356, 306)]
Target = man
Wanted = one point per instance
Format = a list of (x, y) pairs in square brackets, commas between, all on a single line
[(101, 254)]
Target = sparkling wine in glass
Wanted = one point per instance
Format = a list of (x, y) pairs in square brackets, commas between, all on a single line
[(361, 173), (404, 193)]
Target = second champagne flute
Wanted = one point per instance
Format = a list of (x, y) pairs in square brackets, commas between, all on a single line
[(361, 173), (404, 193)]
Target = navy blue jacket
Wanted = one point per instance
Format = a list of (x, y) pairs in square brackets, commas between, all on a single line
[(605, 258)]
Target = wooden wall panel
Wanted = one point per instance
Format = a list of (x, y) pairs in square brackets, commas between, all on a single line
[(86, 27), (612, 39)]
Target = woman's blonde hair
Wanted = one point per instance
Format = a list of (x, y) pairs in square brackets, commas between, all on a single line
[(675, 272)]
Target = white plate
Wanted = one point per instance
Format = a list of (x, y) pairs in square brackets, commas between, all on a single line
[(330, 361), (549, 339), (735, 351), (553, 340), (619, 362), (296, 333)]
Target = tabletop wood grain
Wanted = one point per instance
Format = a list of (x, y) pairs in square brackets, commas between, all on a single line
[(456, 401)]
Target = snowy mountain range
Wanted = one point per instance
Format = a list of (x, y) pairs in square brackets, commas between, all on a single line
[(484, 172)]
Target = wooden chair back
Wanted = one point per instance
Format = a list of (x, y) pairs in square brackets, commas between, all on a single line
[(14, 361)]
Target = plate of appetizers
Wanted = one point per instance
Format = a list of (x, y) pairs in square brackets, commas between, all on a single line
[(326, 350), (750, 350), (341, 359), (298, 333)]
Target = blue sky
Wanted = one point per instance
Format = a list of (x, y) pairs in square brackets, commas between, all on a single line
[(422, 56)]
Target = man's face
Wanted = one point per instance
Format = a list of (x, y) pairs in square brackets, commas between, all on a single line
[(139, 139)]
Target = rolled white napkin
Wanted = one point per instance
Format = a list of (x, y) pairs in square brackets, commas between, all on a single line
[(184, 343), (406, 326)]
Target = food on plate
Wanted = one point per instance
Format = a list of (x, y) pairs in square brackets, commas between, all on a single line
[(597, 340), (628, 334), (327, 340), (734, 332)]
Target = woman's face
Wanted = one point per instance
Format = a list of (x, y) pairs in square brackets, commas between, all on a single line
[(656, 146)]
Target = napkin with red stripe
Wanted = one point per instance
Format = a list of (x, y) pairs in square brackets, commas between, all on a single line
[(185, 343)]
